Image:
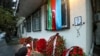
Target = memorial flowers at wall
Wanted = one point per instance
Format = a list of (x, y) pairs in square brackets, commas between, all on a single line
[(22, 40), (41, 46), (76, 51), (49, 48), (55, 46), (28, 40), (34, 43), (60, 46)]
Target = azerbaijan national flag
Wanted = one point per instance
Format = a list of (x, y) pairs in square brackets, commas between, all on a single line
[(54, 17)]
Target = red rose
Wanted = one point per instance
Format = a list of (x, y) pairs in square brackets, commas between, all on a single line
[(41, 45), (74, 53)]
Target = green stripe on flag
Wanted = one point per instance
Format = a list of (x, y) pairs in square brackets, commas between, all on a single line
[(49, 23)]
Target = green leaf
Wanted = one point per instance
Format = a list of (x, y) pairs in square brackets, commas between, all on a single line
[(6, 19)]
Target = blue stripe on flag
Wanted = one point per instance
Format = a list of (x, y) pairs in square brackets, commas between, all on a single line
[(58, 15)]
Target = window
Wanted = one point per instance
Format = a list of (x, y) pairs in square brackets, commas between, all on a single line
[(36, 21), (64, 21), (22, 28), (63, 13), (28, 24)]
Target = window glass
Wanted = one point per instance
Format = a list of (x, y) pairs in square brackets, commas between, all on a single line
[(28, 24), (36, 21)]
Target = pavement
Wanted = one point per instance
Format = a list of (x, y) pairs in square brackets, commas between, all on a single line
[(8, 50)]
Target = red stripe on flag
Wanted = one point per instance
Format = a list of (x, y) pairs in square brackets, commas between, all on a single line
[(53, 8)]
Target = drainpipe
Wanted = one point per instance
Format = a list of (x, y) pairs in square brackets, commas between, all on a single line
[(91, 50), (16, 7), (92, 47)]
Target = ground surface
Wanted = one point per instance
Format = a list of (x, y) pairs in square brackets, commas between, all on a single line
[(8, 50)]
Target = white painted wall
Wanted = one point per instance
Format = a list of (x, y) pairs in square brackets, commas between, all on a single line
[(89, 23), (77, 8)]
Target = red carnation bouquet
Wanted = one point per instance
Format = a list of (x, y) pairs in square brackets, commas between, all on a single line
[(49, 48), (76, 51), (41, 46), (60, 46), (34, 43), (22, 40), (25, 40), (56, 49), (28, 40)]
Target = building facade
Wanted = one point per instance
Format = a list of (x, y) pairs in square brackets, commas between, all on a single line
[(77, 22)]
